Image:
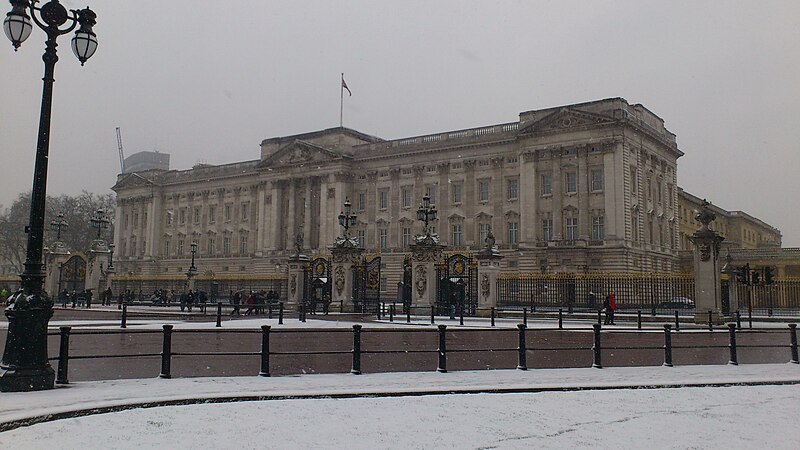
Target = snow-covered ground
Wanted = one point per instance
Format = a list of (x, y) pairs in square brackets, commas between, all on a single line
[(546, 408)]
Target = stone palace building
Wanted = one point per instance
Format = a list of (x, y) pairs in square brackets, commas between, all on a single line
[(583, 187)]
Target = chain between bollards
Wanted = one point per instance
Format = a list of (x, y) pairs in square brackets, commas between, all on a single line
[(166, 352), (734, 361), (667, 345), (265, 330), (356, 370), (63, 356), (522, 363), (597, 359)]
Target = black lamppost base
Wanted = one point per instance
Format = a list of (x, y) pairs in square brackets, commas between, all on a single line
[(25, 366)]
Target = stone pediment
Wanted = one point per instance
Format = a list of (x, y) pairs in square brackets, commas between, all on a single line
[(133, 180), (298, 153), (566, 118)]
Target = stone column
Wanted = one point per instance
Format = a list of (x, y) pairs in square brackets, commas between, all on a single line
[(707, 283), (426, 253), (488, 270), (55, 257), (296, 268), (95, 268)]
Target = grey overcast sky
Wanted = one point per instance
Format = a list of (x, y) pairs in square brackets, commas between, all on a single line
[(206, 81)]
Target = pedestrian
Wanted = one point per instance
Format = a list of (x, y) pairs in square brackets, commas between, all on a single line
[(190, 298), (108, 297), (120, 300), (251, 302), (88, 298), (609, 306), (183, 299), (236, 299), (74, 298), (169, 296), (62, 298)]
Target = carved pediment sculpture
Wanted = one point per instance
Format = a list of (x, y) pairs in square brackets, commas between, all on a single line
[(566, 118), (300, 153)]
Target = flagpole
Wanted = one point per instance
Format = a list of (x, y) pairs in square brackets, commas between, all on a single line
[(341, 100)]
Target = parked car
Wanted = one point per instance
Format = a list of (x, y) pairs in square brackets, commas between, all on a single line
[(678, 303)]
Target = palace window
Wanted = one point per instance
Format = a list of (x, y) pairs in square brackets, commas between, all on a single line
[(512, 189), (182, 216), (383, 199), (405, 196), (456, 235), (483, 190), (170, 215), (547, 184), (226, 245), (212, 214), (227, 212), (547, 229), (598, 232), (572, 228), (456, 191), (196, 215), (361, 236), (243, 245), (513, 233), (135, 218), (382, 238), (406, 237), (245, 211), (362, 201), (483, 233), (210, 247), (430, 190), (180, 247), (571, 182), (133, 246), (166, 248), (597, 180)]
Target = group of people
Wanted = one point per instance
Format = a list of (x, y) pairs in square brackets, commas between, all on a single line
[(255, 301)]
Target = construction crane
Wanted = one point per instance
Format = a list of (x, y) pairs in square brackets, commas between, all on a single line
[(121, 154)]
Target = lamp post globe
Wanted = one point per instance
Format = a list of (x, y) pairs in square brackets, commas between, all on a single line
[(25, 366)]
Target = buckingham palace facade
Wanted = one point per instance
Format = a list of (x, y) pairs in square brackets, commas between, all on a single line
[(583, 187)]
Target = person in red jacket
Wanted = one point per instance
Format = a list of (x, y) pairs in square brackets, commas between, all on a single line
[(610, 305)]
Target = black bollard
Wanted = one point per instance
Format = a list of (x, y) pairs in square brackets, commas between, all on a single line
[(269, 311), (750, 318), (379, 311), (639, 319), (493, 315), (732, 333), (356, 370), (302, 315), (461, 316), (599, 317), (408, 314), (677, 322), (63, 356), (710, 321), (166, 352), (391, 312), (522, 349), (280, 313), (560, 318), (442, 349), (433, 312), (667, 345), (525, 316), (219, 314), (793, 343), (265, 329), (124, 320), (738, 320), (597, 359)]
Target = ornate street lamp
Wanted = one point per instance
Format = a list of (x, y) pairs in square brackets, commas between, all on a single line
[(193, 247), (426, 213), (100, 222), (347, 220), (111, 248), (58, 225), (25, 366)]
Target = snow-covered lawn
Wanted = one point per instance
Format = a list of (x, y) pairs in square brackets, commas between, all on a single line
[(546, 408)]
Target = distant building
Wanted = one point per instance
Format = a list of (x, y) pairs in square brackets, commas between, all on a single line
[(139, 162)]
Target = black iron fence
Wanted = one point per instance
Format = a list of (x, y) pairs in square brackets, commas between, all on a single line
[(586, 291), (216, 287), (781, 298), (443, 343)]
